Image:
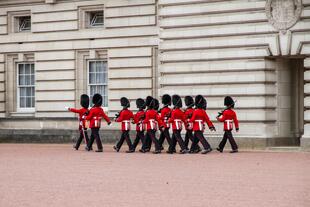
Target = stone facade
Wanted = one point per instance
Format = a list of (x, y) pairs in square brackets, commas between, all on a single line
[(215, 47)]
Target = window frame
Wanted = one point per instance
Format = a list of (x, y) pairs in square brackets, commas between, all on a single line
[(19, 23), (18, 108), (106, 108)]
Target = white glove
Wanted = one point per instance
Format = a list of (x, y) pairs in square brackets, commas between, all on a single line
[(67, 108)]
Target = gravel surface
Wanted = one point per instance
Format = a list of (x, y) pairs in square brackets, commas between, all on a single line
[(56, 175)]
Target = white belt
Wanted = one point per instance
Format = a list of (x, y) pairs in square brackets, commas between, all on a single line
[(140, 125), (228, 124), (127, 124), (177, 121), (152, 123), (200, 124)]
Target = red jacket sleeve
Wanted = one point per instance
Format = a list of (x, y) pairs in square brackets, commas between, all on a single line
[(105, 116), (75, 110), (222, 118), (236, 122), (207, 120), (171, 119), (193, 116)]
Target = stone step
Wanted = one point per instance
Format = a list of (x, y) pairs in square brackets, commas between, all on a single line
[(285, 148)]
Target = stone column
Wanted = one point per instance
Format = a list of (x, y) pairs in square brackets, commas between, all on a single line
[(305, 140)]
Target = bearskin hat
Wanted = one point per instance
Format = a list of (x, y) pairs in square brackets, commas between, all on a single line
[(156, 104), (177, 101), (166, 99), (84, 100), (97, 99), (199, 101), (140, 103), (189, 101), (148, 101), (229, 102), (125, 102)]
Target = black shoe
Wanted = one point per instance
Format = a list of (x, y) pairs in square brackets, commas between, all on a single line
[(75, 147), (234, 151), (169, 152), (147, 149), (206, 151), (142, 151), (174, 151), (116, 149), (162, 148), (183, 151), (219, 149), (87, 149), (99, 150), (130, 151), (156, 152)]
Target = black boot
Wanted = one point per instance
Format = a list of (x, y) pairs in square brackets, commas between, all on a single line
[(99, 150), (219, 149), (234, 151), (206, 151), (116, 149)]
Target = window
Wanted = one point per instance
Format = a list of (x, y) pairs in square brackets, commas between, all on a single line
[(24, 23), (25, 87), (98, 80), (96, 18), (91, 16)]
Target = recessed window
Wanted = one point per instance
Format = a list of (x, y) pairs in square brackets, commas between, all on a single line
[(95, 18), (25, 86), (24, 23), (98, 80)]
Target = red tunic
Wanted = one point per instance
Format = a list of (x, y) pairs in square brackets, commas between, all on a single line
[(188, 114), (138, 119), (125, 117), (199, 118), (164, 115), (177, 119), (152, 119), (95, 115), (82, 115), (229, 117)]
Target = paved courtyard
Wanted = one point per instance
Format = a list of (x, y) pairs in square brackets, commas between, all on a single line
[(56, 175)]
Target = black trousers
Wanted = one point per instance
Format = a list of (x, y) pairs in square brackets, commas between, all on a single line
[(198, 137), (139, 136), (82, 134), (189, 136), (151, 136), (228, 135), (95, 135), (164, 134), (147, 142), (176, 137), (124, 136)]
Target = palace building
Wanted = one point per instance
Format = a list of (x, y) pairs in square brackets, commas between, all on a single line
[(258, 51)]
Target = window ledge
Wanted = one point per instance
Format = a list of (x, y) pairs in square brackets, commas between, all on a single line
[(22, 114)]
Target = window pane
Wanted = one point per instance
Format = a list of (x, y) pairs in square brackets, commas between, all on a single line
[(27, 69), (32, 92), (28, 91), (21, 80), (92, 78), (32, 102), (32, 80), (28, 102), (22, 92), (22, 102), (32, 68), (99, 67), (21, 69), (92, 67)]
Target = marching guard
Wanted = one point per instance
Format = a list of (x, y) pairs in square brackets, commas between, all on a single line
[(84, 101), (138, 120), (189, 102), (95, 115), (124, 116), (177, 119), (199, 118), (152, 121), (228, 117), (165, 114)]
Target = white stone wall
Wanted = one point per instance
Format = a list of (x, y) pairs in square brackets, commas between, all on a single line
[(213, 48)]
